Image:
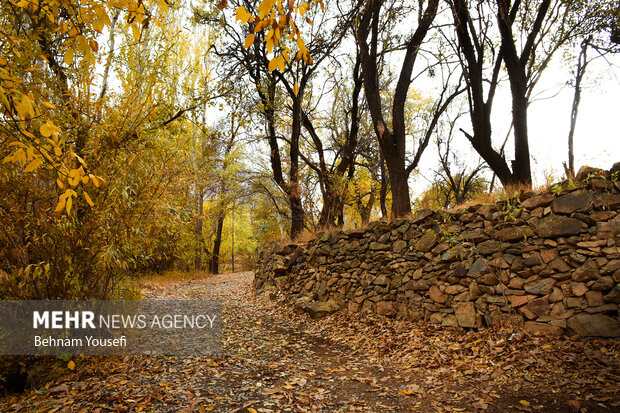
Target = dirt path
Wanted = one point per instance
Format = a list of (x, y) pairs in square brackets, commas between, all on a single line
[(275, 360)]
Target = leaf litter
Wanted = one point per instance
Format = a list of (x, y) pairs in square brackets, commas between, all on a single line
[(277, 360)]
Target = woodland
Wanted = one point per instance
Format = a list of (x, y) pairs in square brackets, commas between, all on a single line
[(143, 137)]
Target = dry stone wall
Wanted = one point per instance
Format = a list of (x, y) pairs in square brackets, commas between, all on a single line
[(549, 261)]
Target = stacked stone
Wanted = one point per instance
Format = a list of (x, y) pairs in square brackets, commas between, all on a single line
[(550, 261)]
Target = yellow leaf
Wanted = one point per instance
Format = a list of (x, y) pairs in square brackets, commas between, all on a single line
[(273, 64), (49, 105), (249, 40), (33, 165), (281, 63), (69, 54), (90, 201), (93, 45), (296, 88), (71, 365), (69, 204), (251, 410), (136, 32), (524, 402), (45, 130), (62, 201), (95, 180)]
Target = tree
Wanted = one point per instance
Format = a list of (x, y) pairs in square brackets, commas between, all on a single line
[(393, 141), (521, 37), (252, 49)]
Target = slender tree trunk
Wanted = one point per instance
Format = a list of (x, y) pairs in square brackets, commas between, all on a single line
[(200, 241), (521, 166), (383, 189), (294, 188), (366, 210), (214, 265), (581, 71)]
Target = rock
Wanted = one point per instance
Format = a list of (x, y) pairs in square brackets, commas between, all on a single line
[(421, 215), (378, 246), (548, 255), (60, 388), (489, 247), (475, 235), (588, 271), (539, 306), (355, 233), (465, 313), (399, 246), (559, 226), (540, 287), (381, 280), (516, 283), (317, 309), (427, 242), (603, 284), (459, 270), (514, 233), (611, 267), (613, 296), (578, 201), (594, 298), (488, 279), (576, 302), (608, 229), (436, 318), (386, 308), (420, 285), (519, 300), (607, 201), (449, 320), (538, 201), (578, 289), (587, 172), (474, 290), (559, 265), (556, 295), (478, 267), (543, 328), (594, 325), (436, 294), (602, 215), (454, 289), (533, 260)]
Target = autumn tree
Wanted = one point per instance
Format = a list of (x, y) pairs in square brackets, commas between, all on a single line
[(522, 38), (392, 135)]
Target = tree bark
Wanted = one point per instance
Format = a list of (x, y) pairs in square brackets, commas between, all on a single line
[(214, 265)]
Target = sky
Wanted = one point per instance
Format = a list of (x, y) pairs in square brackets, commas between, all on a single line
[(597, 135)]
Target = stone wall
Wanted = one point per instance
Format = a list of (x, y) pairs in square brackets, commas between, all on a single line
[(550, 261)]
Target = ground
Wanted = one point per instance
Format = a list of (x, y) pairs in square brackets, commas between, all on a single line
[(276, 360)]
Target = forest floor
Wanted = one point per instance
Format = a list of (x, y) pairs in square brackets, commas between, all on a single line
[(276, 360)]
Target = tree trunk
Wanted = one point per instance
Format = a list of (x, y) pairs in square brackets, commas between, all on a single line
[(214, 265), (581, 71), (383, 189), (294, 188), (200, 241)]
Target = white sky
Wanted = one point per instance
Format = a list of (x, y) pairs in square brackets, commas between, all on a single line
[(597, 136)]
